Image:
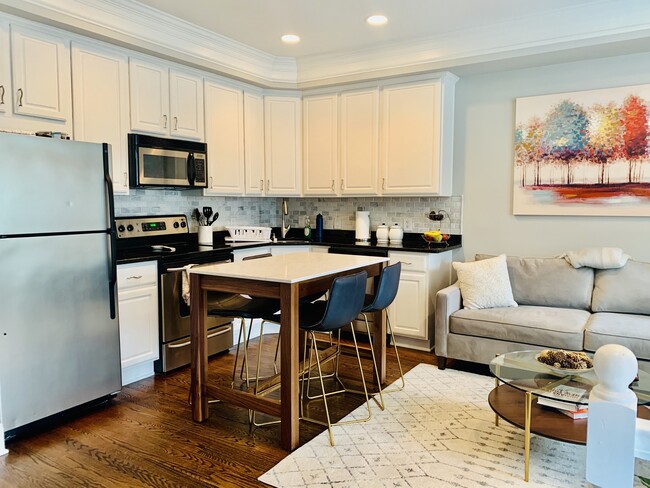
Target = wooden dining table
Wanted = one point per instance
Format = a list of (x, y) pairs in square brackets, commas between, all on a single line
[(287, 277)]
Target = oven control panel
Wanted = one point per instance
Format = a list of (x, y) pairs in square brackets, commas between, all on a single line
[(128, 227)]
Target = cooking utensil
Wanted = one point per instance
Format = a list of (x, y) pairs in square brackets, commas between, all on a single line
[(207, 213), (196, 215), (216, 216)]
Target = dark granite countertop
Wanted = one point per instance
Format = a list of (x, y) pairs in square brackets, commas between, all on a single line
[(412, 242)]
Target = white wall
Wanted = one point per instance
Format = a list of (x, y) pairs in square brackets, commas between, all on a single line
[(483, 163)]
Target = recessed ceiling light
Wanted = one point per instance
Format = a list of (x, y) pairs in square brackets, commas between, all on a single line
[(290, 38), (377, 19)]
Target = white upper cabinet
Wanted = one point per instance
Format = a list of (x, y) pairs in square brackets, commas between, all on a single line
[(5, 69), (186, 104), (320, 145), (41, 73), (254, 143), (224, 134), (359, 142), (416, 138), (165, 102), (282, 138), (100, 86)]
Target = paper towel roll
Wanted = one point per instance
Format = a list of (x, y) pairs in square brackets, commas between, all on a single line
[(362, 228)]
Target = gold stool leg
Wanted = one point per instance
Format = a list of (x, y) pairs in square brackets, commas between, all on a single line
[(529, 402)]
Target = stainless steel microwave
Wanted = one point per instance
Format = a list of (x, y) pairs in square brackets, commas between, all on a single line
[(166, 163)]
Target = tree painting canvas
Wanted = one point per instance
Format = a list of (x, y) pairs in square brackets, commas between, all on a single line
[(583, 153)]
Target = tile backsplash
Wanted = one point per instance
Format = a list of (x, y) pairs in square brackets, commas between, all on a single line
[(338, 213)]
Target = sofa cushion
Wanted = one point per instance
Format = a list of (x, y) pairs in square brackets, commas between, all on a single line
[(543, 326), (625, 289), (631, 331), (549, 282), (485, 284)]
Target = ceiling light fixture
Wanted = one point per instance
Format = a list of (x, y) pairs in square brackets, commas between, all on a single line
[(377, 20), (290, 38)]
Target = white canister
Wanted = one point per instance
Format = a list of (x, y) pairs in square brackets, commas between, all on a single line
[(205, 235), (395, 233), (382, 233), (362, 227)]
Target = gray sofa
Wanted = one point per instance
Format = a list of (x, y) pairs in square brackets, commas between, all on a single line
[(559, 307)]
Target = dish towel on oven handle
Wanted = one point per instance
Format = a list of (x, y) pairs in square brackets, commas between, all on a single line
[(185, 281)]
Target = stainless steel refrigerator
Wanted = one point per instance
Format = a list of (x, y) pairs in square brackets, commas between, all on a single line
[(59, 334)]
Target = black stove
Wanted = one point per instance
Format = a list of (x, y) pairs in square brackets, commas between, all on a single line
[(165, 238)]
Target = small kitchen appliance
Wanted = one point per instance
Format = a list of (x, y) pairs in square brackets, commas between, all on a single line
[(167, 239), (167, 163)]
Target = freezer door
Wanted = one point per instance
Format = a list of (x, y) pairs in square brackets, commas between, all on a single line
[(51, 185), (58, 345)]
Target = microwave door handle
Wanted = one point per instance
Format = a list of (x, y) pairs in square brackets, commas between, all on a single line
[(191, 169)]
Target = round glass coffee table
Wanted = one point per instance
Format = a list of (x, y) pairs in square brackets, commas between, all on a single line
[(520, 380)]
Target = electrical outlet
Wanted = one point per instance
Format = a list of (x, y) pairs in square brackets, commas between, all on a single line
[(337, 222), (408, 225)]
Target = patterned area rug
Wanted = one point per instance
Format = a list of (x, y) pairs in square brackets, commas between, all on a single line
[(439, 431)]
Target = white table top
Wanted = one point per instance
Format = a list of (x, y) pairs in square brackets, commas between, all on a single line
[(288, 268)]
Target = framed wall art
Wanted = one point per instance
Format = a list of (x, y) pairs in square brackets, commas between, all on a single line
[(583, 153)]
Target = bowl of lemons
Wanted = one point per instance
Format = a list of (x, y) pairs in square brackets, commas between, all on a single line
[(435, 236)]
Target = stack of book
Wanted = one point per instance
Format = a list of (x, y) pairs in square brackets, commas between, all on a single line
[(566, 400)]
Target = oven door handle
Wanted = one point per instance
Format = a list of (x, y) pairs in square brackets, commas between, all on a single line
[(210, 336)]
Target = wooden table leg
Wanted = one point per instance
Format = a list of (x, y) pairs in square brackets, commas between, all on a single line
[(289, 427), (379, 339), (199, 350)]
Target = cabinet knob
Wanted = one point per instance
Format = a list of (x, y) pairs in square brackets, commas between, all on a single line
[(2, 94), (383, 183), (332, 185), (268, 185), (261, 185), (341, 184), (134, 277), (175, 123), (125, 180), (211, 182), (20, 97), (164, 121)]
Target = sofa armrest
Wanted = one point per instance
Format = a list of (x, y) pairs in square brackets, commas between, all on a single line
[(448, 300)]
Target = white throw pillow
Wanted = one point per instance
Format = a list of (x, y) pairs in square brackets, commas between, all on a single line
[(597, 257), (485, 283)]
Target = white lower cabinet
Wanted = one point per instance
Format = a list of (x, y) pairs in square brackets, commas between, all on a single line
[(137, 286), (412, 313)]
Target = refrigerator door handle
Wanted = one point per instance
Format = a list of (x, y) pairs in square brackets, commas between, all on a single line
[(112, 234)]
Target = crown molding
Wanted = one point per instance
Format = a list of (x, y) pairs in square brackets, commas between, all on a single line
[(542, 38)]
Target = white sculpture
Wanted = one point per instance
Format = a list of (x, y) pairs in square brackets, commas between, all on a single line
[(612, 419)]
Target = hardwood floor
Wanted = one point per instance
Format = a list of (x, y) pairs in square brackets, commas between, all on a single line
[(145, 437)]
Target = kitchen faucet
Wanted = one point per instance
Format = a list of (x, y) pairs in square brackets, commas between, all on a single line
[(285, 212)]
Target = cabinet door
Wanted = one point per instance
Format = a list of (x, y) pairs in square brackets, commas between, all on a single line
[(359, 142), (408, 313), (138, 325), (149, 88), (5, 69), (282, 137), (41, 73), (100, 85), (410, 139), (320, 145), (186, 105), (224, 134), (254, 143)]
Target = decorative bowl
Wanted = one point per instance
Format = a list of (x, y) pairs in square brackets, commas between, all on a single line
[(563, 371)]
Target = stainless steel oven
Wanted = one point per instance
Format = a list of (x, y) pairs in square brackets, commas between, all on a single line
[(175, 323)]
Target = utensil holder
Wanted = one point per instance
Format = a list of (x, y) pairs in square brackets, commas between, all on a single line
[(205, 235)]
